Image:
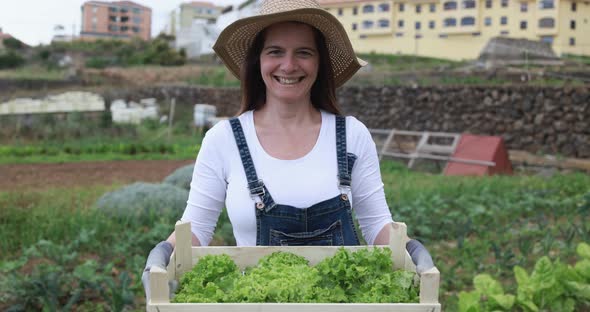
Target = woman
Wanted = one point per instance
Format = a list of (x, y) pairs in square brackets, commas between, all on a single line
[(290, 167)]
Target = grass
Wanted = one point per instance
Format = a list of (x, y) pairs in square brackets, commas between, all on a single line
[(33, 72), (397, 63), (83, 140), (583, 59), (470, 224), (215, 77)]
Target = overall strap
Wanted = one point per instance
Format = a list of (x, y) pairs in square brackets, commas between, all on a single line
[(255, 185), (345, 160)]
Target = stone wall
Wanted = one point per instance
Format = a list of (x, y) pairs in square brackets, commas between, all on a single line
[(534, 119)]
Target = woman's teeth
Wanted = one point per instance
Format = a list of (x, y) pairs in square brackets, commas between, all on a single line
[(288, 80)]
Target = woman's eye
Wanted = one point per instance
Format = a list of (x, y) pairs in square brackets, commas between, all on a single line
[(273, 52)]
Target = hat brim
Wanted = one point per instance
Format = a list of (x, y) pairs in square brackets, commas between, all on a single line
[(235, 40)]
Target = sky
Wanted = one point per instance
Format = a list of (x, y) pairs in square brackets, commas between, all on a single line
[(33, 21)]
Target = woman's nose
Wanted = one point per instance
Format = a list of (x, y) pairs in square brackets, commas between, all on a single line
[(289, 63)]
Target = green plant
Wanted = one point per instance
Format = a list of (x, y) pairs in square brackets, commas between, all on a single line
[(551, 286), (181, 177), (11, 60), (137, 201)]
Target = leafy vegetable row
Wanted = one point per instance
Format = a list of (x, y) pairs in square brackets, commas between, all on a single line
[(552, 286)]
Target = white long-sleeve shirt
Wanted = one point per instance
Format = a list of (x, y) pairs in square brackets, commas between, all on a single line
[(219, 179)]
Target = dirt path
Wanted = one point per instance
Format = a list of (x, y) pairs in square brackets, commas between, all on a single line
[(44, 176)]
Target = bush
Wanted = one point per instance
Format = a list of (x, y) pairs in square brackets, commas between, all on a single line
[(182, 177), (11, 60), (140, 200), (99, 62)]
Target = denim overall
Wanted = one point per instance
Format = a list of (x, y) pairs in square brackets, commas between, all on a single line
[(326, 223)]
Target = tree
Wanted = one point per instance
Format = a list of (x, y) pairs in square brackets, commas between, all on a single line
[(13, 44)]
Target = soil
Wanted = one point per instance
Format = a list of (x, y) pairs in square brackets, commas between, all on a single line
[(44, 176)]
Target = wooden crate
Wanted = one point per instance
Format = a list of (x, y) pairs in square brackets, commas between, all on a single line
[(185, 257)]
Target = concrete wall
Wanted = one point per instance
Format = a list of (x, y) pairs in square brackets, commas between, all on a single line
[(538, 120)]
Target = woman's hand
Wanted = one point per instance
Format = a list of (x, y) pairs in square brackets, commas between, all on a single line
[(420, 256), (159, 256)]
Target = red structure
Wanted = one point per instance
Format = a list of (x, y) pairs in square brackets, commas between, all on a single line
[(482, 148)]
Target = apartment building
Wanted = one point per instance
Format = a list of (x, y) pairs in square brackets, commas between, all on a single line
[(115, 20), (188, 13), (459, 29)]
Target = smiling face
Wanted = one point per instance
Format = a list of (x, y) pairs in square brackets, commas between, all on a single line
[(289, 62)]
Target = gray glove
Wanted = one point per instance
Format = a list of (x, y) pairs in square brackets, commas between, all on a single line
[(420, 256), (159, 257)]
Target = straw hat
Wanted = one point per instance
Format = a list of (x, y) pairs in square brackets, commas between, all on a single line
[(235, 40)]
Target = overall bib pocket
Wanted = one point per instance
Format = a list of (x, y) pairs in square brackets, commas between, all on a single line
[(331, 236)]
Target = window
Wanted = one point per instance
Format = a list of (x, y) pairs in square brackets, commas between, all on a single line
[(418, 8), (400, 24), (383, 23), (418, 36), (401, 7), (546, 4), (368, 8), (339, 12), (418, 25), (383, 7), (124, 19), (488, 4), (504, 32), (468, 21), (113, 28), (547, 39), (124, 10), (476, 34), (399, 34), (432, 7), (94, 20), (574, 6), (355, 10), (572, 42), (124, 28), (450, 22), (450, 5), (136, 10), (572, 24), (368, 24), (468, 4), (353, 26), (523, 25), (504, 3), (487, 21), (431, 24), (137, 20), (524, 7), (112, 18), (135, 29), (443, 36), (94, 9), (113, 9), (363, 36), (503, 20), (546, 22)]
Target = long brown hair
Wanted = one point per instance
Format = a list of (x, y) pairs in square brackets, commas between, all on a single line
[(323, 91)]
